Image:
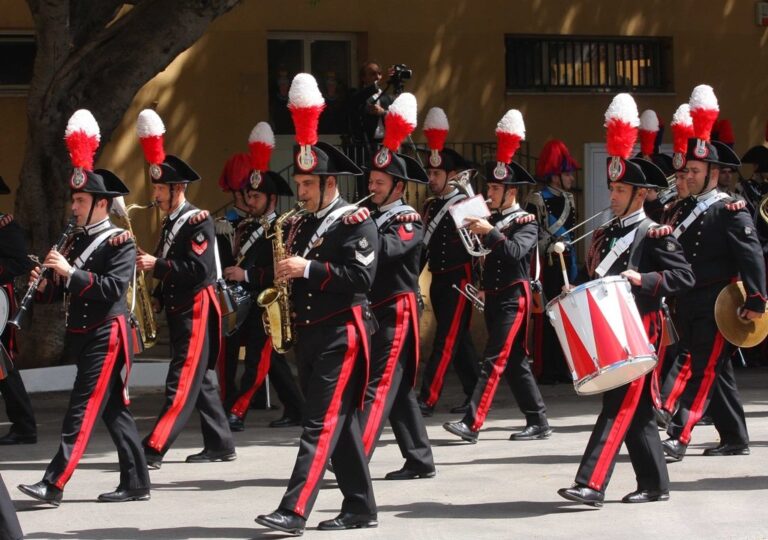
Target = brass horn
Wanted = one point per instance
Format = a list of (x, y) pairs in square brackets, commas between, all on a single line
[(471, 241)]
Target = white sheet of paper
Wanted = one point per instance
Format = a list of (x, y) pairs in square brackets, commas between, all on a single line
[(471, 207)]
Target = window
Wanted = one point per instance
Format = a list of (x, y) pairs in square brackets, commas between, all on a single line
[(17, 58), (550, 63), (329, 57)]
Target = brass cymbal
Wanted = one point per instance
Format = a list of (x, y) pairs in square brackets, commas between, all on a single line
[(738, 331)]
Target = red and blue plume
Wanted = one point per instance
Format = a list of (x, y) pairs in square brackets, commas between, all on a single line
[(261, 142), (704, 111), (725, 132), (554, 159), (235, 172), (682, 129), (649, 130), (82, 137), (306, 103), (400, 120), (436, 128), (510, 131), (150, 129), (621, 122)]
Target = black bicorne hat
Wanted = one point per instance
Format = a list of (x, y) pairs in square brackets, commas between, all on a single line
[(628, 171), (4, 189), (655, 178), (758, 156), (327, 161), (450, 160), (173, 170), (513, 174), (268, 182), (100, 183), (713, 152), (402, 167)]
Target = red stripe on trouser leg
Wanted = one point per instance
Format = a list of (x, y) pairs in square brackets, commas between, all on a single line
[(616, 434), (680, 382), (242, 403), (162, 431), (448, 347), (93, 406), (697, 407), (371, 427), (498, 368), (330, 420)]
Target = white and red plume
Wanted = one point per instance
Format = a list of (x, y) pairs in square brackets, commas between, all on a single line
[(510, 132), (399, 122), (82, 137), (261, 142), (704, 111), (436, 131), (649, 130), (306, 103), (621, 121), (151, 131)]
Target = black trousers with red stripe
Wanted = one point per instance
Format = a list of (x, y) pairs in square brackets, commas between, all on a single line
[(332, 372), (190, 384), (10, 529), (453, 342), (703, 373), (260, 360), (18, 406), (99, 356), (505, 318), (389, 393), (627, 416)]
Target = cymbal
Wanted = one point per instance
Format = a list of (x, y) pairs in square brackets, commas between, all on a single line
[(738, 331)]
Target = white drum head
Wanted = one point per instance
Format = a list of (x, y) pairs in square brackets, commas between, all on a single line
[(5, 308), (615, 375)]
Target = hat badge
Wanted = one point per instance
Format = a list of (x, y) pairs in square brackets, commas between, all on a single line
[(382, 158), (678, 160), (306, 159), (701, 150), (616, 168), (155, 171), (255, 179), (78, 178), (500, 171), (435, 159)]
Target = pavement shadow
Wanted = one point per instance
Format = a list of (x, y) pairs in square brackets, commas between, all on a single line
[(729, 483), (484, 510), (536, 459), (170, 533)]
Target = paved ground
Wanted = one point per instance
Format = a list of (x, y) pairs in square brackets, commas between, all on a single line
[(494, 489)]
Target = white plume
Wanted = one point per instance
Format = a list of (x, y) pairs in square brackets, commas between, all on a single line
[(262, 133), (405, 107), (149, 124), (83, 120), (624, 108), (512, 122), (682, 116), (436, 119), (703, 97), (304, 92), (649, 121)]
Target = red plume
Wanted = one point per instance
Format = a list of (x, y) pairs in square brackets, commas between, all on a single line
[(236, 170), (150, 129), (400, 120), (621, 121), (704, 111), (82, 137), (647, 141), (436, 128), (725, 132), (306, 103), (261, 143), (682, 129), (554, 159)]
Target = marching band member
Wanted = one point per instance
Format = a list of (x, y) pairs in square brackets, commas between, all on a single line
[(14, 263), (449, 264), (253, 267), (652, 260), (184, 263), (555, 210), (720, 240), (511, 234), (93, 274), (651, 133), (395, 345), (332, 270)]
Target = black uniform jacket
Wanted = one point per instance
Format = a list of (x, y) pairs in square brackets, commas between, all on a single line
[(258, 261), (663, 267), (445, 251), (341, 270), (722, 244), (190, 264), (512, 248), (13, 252), (97, 290)]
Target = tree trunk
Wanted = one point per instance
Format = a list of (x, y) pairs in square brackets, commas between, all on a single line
[(95, 55)]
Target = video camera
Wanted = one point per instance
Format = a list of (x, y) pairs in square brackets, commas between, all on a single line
[(400, 74)]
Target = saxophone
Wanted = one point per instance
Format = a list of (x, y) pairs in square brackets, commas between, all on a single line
[(139, 296), (276, 300)]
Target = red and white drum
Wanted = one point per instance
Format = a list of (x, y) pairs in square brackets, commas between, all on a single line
[(602, 335)]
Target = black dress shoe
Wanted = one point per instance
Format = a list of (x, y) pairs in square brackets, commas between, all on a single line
[(583, 494), (646, 495), (154, 460), (426, 410), (235, 423), (284, 521), (18, 438), (674, 449), (409, 474), (346, 520), (43, 491), (532, 433), (208, 456), (285, 421), (663, 417), (123, 495), (728, 449), (460, 429), (461, 409)]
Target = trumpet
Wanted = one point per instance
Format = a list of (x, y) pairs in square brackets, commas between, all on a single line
[(471, 293), (762, 208), (471, 241)]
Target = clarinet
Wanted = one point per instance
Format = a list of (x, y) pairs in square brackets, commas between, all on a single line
[(29, 296)]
